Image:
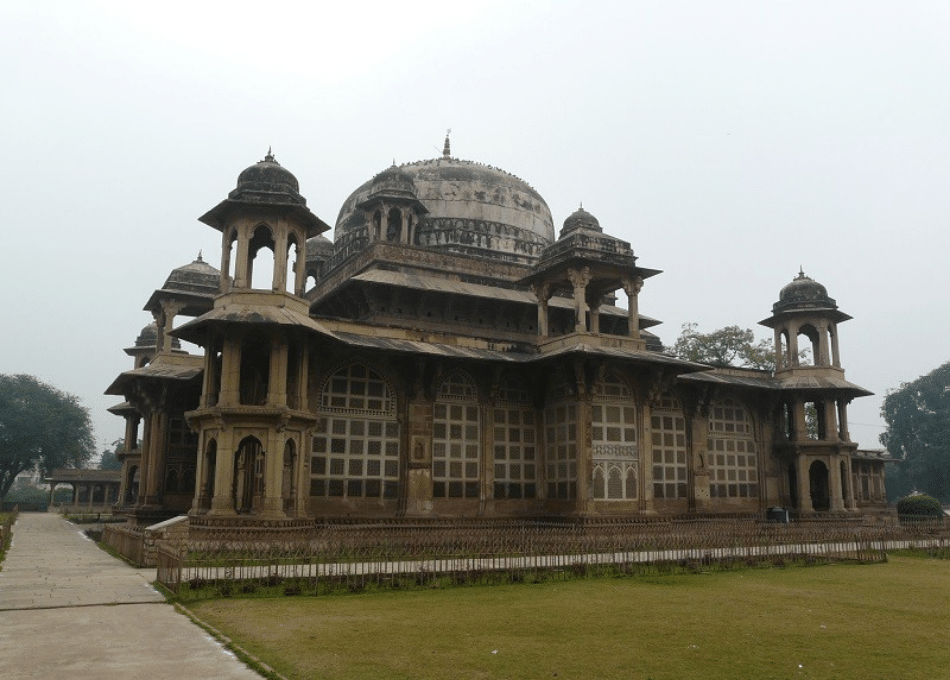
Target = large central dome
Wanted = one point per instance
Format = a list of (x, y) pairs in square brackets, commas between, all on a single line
[(472, 209)]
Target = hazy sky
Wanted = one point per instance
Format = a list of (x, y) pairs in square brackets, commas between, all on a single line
[(729, 142)]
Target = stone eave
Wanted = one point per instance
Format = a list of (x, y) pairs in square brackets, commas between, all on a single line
[(219, 215)]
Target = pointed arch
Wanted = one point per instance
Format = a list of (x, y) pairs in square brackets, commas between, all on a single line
[(614, 440), (356, 445)]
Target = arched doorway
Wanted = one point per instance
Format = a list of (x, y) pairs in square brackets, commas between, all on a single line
[(818, 484), (248, 476), (132, 485)]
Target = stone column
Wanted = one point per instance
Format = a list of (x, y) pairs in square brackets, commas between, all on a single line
[(160, 340), (167, 324), (225, 260), (834, 481), (403, 227), (230, 390), (222, 502), (779, 358), (304, 379), (272, 505), (156, 459), (594, 317), (792, 346), (632, 288), (543, 293), (823, 345), (241, 273), (201, 473), (831, 426), (843, 433), (279, 280), (835, 356), (208, 379), (277, 385), (800, 429), (300, 264), (804, 486), (579, 278)]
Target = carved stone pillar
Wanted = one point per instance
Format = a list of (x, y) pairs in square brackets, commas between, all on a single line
[(579, 278), (632, 288), (835, 356), (543, 293)]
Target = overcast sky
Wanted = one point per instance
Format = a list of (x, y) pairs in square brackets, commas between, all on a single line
[(729, 142)]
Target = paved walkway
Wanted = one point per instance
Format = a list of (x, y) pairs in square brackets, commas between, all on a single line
[(68, 610)]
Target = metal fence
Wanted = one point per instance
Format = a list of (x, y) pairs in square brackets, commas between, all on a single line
[(126, 540), (392, 555)]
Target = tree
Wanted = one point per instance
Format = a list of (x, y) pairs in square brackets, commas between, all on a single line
[(733, 346), (110, 459), (729, 346), (40, 426), (918, 435)]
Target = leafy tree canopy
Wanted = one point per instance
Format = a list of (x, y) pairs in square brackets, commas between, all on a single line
[(40, 426), (110, 459), (729, 346), (918, 435)]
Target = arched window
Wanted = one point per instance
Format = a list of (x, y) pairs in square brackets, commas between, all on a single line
[(514, 443), (171, 481), (394, 225), (810, 358), (456, 439), (260, 265), (356, 448), (668, 427), (614, 439), (560, 438), (731, 452), (294, 257)]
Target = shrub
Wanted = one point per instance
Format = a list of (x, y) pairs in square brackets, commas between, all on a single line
[(919, 507)]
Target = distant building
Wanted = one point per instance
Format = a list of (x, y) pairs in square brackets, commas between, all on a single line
[(446, 355)]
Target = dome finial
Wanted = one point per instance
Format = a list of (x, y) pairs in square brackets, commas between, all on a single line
[(801, 272), (447, 149), (199, 257), (269, 158)]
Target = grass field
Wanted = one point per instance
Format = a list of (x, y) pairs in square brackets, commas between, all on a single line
[(854, 622)]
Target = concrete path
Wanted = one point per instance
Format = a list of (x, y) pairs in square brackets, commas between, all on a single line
[(68, 610)]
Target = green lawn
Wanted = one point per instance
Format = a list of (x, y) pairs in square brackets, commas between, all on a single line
[(854, 622)]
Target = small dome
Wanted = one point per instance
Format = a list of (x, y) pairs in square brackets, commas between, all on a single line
[(148, 337), (580, 219), (319, 249), (393, 182), (196, 277), (267, 182), (803, 292)]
